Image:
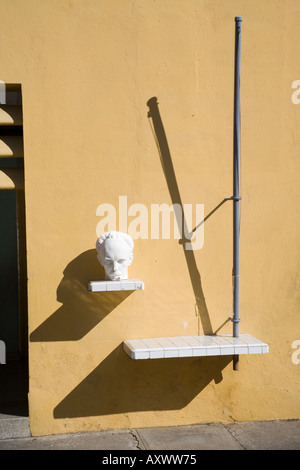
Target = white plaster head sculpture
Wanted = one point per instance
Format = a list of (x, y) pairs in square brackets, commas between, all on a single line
[(115, 254)]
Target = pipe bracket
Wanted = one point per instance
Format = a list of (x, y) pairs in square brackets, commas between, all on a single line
[(233, 198), (235, 320)]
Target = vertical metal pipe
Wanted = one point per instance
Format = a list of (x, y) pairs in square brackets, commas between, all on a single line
[(236, 176)]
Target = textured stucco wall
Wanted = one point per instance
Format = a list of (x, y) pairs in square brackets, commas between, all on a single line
[(87, 69)]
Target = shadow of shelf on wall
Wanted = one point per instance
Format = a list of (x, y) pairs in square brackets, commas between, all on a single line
[(109, 286), (193, 346)]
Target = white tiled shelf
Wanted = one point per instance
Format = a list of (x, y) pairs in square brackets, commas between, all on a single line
[(192, 346), (108, 286)]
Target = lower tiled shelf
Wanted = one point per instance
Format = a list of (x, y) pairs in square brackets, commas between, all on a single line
[(193, 346)]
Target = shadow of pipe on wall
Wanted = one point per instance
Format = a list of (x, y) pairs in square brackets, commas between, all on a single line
[(122, 385), (81, 310), (169, 172), (171, 180)]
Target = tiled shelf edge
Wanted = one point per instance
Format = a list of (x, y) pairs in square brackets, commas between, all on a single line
[(193, 346), (109, 286)]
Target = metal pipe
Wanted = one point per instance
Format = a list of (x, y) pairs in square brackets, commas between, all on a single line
[(236, 174)]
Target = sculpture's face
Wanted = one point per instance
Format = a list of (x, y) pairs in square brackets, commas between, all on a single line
[(115, 255)]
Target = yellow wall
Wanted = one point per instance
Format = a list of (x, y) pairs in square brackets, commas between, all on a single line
[(87, 69)]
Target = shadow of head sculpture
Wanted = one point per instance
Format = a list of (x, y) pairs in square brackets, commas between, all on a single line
[(81, 310)]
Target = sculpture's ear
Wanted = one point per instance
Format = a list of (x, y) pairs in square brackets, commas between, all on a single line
[(130, 259), (99, 259)]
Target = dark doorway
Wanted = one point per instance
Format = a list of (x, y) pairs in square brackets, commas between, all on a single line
[(13, 272)]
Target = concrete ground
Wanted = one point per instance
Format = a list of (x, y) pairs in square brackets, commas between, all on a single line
[(15, 432), (261, 435)]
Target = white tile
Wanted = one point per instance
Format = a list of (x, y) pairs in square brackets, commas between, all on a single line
[(140, 355), (133, 351), (221, 340), (233, 340), (241, 350), (183, 347), (113, 286), (199, 351), (171, 353), (206, 340), (152, 344), (250, 340), (169, 349), (165, 343), (246, 339), (95, 286), (126, 286), (213, 351), (182, 352), (255, 349), (227, 350), (157, 354), (192, 341), (127, 349), (103, 286), (239, 346), (197, 348), (194, 346), (137, 343)]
